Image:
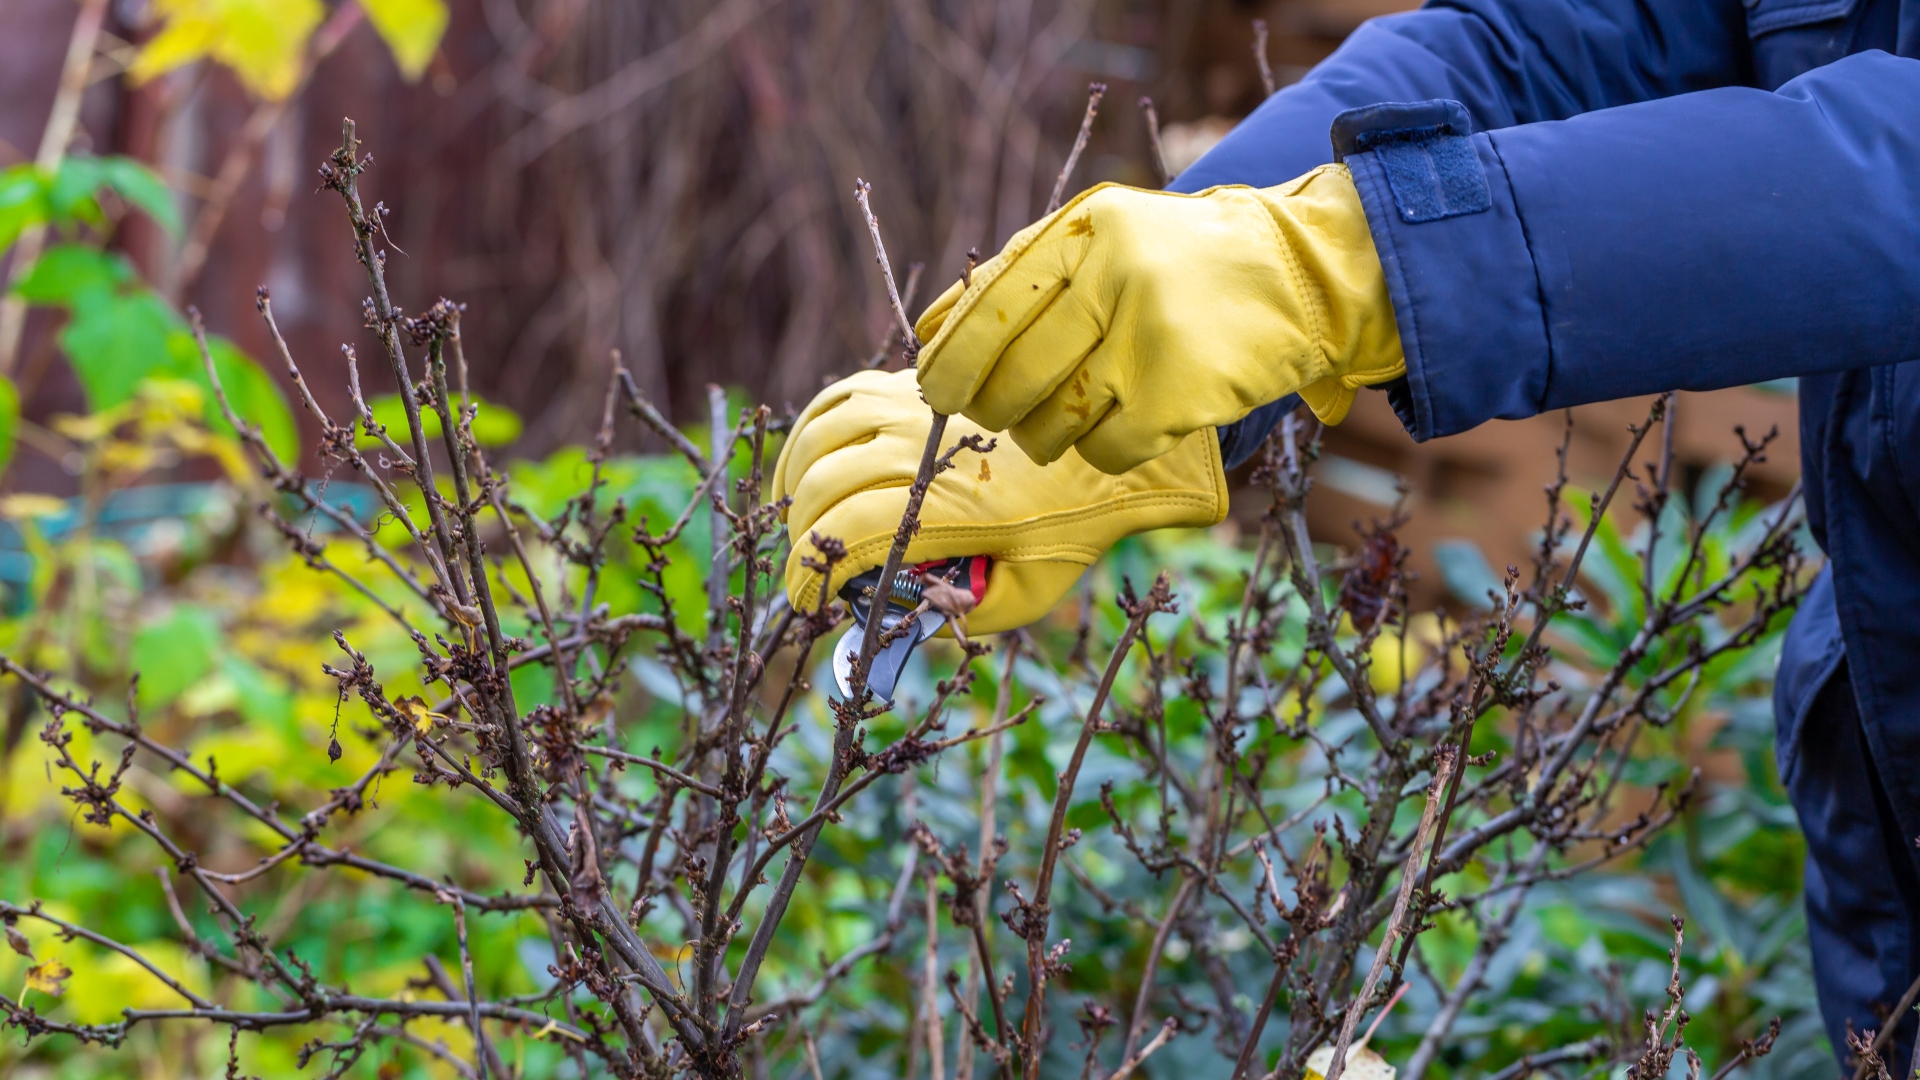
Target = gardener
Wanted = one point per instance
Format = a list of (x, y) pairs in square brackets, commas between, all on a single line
[(1577, 200)]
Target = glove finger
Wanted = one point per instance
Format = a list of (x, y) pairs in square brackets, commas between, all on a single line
[(850, 412), (976, 335), (847, 473), (932, 319), (788, 468), (864, 523), (1110, 436), (1080, 402), (1116, 447), (1010, 293), (1035, 369), (1021, 593)]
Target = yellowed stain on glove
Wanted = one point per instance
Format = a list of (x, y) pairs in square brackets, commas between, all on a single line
[(853, 454), (1129, 319)]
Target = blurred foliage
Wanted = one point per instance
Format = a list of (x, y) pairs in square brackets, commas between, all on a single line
[(118, 331), (264, 42), (70, 194), (228, 634)]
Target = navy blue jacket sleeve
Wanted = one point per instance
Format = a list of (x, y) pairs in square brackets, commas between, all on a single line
[(1694, 242), (1509, 61)]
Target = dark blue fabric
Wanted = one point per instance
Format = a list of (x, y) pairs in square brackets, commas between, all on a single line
[(1371, 126), (1239, 440), (1690, 194), (1423, 149), (1811, 655), (1862, 889), (1434, 178)]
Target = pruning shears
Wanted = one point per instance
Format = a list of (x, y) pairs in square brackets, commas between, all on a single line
[(909, 586)]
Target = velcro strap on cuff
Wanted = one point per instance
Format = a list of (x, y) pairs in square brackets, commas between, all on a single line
[(1422, 147)]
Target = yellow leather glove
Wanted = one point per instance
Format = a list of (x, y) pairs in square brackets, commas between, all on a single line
[(853, 453), (1128, 319)]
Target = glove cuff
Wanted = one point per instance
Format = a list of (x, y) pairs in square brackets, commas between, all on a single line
[(1330, 248)]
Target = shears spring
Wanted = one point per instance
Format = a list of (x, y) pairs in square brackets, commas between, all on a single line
[(909, 588)]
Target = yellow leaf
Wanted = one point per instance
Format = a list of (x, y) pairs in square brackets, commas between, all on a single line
[(182, 41), (411, 28), (49, 978), (90, 428), (416, 711), (165, 402), (21, 507), (1362, 1064), (228, 453), (263, 41)]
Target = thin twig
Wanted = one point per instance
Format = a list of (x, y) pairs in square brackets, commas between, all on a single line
[(1444, 764), (1156, 154), (1267, 81), (1095, 91)]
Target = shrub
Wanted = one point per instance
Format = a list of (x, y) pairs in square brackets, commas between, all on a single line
[(568, 794)]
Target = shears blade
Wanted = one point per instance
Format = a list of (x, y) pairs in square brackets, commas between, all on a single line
[(903, 601), (884, 676)]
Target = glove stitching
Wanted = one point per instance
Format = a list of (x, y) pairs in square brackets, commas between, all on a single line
[(859, 548), (1319, 319), (880, 485), (1057, 518)]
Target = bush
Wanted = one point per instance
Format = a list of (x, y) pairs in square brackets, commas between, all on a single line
[(566, 792)]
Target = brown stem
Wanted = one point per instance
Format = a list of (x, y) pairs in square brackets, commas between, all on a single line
[(1095, 91), (1156, 153), (1267, 81), (1444, 764), (1039, 909), (1138, 1025)]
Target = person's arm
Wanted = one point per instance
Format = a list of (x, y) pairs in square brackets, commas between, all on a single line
[(1508, 61), (1695, 242)]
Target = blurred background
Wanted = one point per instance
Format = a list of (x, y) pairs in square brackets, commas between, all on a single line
[(672, 180)]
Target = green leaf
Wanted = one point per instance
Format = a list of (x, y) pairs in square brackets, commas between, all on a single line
[(66, 273), (493, 425), (28, 197), (250, 390), (74, 182), (533, 684), (23, 202), (263, 697), (9, 420), (1466, 573), (141, 187), (114, 341), (173, 652), (121, 333)]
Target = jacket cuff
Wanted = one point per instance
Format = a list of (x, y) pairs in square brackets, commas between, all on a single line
[(1242, 438), (1466, 296)]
